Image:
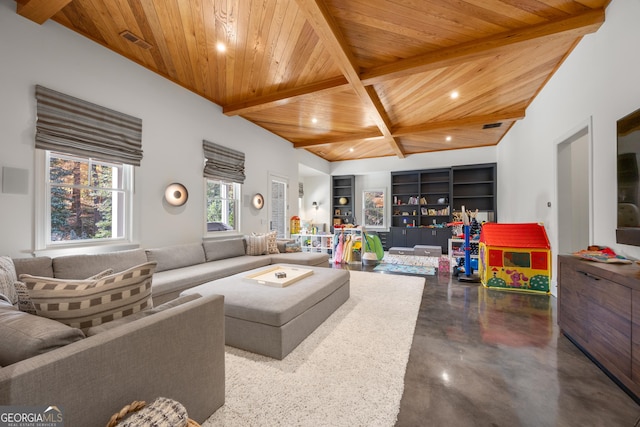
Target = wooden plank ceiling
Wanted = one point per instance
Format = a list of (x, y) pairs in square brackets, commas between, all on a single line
[(347, 79)]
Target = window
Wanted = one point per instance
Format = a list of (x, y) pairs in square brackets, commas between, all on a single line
[(85, 200), (222, 206), (517, 259)]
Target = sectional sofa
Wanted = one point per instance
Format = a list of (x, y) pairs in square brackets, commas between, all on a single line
[(174, 350)]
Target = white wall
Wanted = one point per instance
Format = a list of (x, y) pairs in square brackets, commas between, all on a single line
[(175, 121), (441, 159), (317, 189), (597, 82)]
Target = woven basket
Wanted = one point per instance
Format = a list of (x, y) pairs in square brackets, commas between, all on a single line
[(134, 407)]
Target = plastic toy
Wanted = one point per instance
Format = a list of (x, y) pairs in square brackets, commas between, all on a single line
[(515, 257)]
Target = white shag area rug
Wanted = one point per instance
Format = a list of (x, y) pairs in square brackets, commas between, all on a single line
[(348, 372)]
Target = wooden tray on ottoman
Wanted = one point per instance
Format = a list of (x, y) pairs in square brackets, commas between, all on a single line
[(270, 277)]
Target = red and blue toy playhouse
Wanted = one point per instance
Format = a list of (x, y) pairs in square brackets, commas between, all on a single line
[(515, 256)]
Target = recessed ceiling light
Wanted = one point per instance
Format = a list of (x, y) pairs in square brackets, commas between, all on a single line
[(454, 95), (351, 150), (314, 120), (221, 47), (448, 138)]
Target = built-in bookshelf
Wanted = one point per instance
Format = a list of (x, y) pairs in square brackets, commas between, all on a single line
[(474, 187), (420, 198), (430, 197), (342, 199)]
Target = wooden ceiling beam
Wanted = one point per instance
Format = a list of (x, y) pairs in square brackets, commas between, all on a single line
[(276, 99), (462, 122), (39, 11), (417, 129), (331, 37), (370, 136), (574, 26), (326, 28)]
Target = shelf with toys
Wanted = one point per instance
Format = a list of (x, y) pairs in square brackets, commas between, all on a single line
[(456, 249), (315, 242)]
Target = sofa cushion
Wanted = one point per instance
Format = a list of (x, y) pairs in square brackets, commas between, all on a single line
[(221, 249), (256, 245), (128, 319), (24, 335), (176, 256), (83, 266), (292, 247), (91, 302), (7, 278), (175, 281), (36, 266), (302, 258), (281, 243)]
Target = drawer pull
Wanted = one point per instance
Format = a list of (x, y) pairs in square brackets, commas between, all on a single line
[(589, 275)]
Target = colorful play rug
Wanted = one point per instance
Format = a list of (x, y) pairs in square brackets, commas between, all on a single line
[(405, 269)]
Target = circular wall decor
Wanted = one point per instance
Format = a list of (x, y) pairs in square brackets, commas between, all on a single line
[(258, 201), (343, 200), (176, 194)]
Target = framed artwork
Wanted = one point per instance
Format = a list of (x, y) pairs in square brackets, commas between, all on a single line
[(373, 208)]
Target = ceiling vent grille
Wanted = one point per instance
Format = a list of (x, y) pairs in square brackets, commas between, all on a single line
[(492, 125), (135, 39)]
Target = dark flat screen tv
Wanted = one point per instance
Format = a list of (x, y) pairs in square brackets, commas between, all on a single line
[(628, 180)]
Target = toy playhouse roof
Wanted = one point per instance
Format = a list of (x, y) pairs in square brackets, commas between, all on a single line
[(525, 235)]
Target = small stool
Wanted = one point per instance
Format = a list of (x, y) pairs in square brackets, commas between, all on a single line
[(161, 412)]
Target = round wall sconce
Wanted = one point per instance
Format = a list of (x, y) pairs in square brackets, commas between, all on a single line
[(258, 201), (343, 200), (176, 194)]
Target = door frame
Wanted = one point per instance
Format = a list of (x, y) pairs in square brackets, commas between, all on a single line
[(583, 130)]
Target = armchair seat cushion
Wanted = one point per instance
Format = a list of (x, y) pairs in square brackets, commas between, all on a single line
[(24, 335)]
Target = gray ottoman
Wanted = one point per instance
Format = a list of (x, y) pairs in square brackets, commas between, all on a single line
[(272, 320)]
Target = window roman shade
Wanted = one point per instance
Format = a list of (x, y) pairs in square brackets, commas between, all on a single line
[(73, 126), (222, 163)]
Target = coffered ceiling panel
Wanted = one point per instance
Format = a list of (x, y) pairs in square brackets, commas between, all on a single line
[(347, 79)]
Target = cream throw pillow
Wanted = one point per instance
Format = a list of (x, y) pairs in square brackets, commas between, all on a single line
[(270, 242), (6, 287), (257, 245), (272, 245), (91, 302), (24, 302)]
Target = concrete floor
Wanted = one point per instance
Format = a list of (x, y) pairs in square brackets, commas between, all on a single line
[(483, 357)]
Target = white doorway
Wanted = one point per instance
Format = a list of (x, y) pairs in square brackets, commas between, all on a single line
[(278, 204), (574, 191)]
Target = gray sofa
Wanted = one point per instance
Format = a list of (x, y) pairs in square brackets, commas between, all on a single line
[(175, 352)]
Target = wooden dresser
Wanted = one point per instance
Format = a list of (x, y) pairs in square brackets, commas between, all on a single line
[(599, 310)]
